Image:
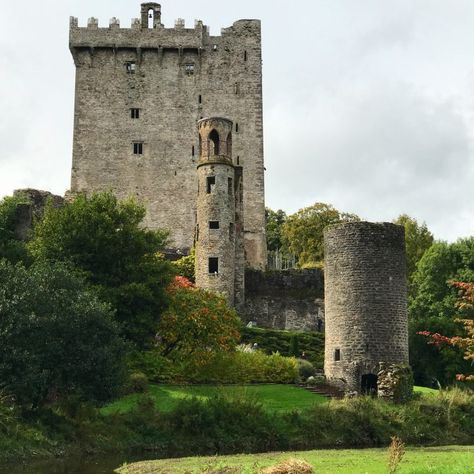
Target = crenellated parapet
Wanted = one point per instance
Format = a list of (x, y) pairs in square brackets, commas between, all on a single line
[(149, 33)]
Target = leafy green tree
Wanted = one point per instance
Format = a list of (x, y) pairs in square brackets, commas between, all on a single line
[(432, 307), (185, 265), (56, 338), (104, 239), (11, 247), (418, 239), (274, 223), (303, 231)]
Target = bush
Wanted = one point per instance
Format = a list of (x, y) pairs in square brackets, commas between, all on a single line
[(305, 368), (272, 340), (137, 382), (218, 368), (56, 338)]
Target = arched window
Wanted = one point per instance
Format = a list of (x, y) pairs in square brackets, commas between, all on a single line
[(214, 143), (151, 15)]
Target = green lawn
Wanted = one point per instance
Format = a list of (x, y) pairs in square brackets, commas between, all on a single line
[(439, 460), (273, 397)]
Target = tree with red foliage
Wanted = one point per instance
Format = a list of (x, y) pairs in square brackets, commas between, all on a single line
[(465, 306), (197, 323)]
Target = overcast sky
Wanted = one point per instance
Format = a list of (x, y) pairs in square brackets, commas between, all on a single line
[(369, 104)]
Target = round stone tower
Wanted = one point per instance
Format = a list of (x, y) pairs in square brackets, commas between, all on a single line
[(215, 223), (365, 304)]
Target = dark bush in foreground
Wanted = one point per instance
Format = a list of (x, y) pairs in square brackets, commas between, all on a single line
[(56, 338)]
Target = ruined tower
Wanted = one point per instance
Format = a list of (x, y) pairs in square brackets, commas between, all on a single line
[(139, 93), (217, 229), (365, 304)]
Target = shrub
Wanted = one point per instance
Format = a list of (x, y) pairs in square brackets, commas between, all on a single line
[(272, 340), (137, 382), (305, 369), (56, 338)]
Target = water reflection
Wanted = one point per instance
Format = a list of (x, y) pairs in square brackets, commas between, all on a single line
[(101, 465)]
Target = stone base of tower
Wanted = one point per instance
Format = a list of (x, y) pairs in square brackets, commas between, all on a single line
[(388, 381)]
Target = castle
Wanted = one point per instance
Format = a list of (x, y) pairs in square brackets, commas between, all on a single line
[(173, 116), (139, 94)]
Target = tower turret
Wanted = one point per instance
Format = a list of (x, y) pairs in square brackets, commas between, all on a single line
[(215, 237)]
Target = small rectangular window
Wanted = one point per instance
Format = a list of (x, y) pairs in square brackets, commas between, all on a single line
[(337, 354), (213, 224), (211, 183), (130, 67), (213, 265), (135, 113), (189, 69), (138, 148), (230, 187)]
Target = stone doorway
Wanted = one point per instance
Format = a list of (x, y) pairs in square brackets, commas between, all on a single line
[(369, 385)]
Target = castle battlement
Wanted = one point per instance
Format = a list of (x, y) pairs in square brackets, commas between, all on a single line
[(149, 32)]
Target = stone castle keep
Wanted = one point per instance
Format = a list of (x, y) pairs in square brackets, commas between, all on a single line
[(139, 94), (173, 117)]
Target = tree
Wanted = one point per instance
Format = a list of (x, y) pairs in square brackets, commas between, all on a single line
[(185, 265), (104, 239), (56, 338), (418, 239), (11, 247), (274, 223), (303, 231), (432, 307), (465, 306), (197, 323)]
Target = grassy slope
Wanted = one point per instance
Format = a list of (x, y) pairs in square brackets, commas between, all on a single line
[(273, 397), (445, 460)]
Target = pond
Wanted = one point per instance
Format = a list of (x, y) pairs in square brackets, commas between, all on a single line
[(88, 465)]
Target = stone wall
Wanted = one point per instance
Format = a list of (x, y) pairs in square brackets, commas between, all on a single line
[(366, 302), (173, 77), (287, 299), (26, 213)]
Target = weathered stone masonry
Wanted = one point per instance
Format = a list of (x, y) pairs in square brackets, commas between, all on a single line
[(139, 94), (365, 302)]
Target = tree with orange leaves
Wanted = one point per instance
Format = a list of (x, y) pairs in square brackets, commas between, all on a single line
[(197, 324), (465, 306)]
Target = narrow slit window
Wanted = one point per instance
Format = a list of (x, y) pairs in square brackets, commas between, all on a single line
[(135, 113), (245, 55), (197, 232), (130, 67), (237, 128), (192, 151), (238, 160), (200, 99), (213, 224), (230, 186), (214, 265), (337, 355), (211, 183), (231, 231), (138, 148)]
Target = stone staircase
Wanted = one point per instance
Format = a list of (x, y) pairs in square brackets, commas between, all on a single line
[(324, 389)]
